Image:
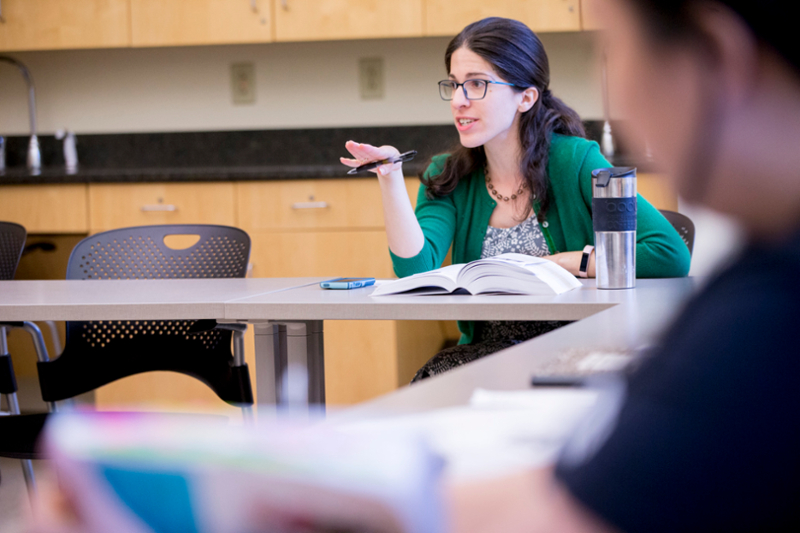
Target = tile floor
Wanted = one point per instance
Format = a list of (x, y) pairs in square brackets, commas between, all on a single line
[(15, 506)]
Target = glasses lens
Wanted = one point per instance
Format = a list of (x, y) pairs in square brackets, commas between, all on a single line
[(446, 89), (476, 89)]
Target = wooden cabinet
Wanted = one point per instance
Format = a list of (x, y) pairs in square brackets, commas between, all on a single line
[(445, 17), (45, 208), (320, 20), (311, 204), (119, 205), (56, 24), (335, 228), (178, 22), (658, 189)]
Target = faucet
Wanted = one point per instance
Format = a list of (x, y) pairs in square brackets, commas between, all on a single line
[(34, 155), (70, 151)]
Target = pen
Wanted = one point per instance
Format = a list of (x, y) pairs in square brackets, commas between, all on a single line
[(408, 156)]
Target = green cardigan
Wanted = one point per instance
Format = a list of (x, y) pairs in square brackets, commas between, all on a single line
[(460, 219)]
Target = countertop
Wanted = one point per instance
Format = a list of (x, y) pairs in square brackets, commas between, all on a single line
[(232, 155), (18, 176)]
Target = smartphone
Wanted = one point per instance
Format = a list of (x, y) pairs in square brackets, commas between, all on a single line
[(347, 283)]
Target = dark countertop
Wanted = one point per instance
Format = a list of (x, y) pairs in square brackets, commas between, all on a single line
[(54, 176), (230, 156)]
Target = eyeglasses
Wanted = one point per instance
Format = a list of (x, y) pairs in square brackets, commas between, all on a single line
[(473, 89)]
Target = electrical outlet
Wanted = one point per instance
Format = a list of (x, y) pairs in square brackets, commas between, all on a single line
[(370, 77), (243, 83)]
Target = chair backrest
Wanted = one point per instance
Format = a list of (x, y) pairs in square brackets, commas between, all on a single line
[(683, 225), (12, 242), (99, 352), (141, 253)]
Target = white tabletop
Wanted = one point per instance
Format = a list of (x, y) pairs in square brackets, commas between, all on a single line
[(313, 303), (158, 299), (642, 314)]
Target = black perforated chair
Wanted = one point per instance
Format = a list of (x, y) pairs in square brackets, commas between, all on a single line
[(683, 225), (99, 352), (12, 243)]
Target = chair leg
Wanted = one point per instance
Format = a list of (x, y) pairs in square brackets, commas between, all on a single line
[(54, 335), (239, 361), (30, 481), (27, 465), (11, 396)]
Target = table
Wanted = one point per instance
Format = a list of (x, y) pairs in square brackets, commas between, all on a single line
[(636, 321), (156, 299), (288, 316)]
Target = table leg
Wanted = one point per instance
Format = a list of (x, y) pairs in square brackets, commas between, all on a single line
[(270, 344), (286, 348)]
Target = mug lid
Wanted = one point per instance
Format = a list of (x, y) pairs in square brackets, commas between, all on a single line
[(604, 175)]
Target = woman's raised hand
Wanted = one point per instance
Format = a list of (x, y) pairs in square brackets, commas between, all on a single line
[(366, 153)]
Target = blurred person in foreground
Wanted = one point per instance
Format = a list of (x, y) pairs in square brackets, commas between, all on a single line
[(707, 437)]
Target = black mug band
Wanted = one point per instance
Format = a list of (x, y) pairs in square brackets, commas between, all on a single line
[(614, 214)]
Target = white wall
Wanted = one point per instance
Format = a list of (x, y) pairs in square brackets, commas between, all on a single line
[(299, 85)]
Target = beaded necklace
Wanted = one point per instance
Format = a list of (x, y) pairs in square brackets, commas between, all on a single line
[(497, 194)]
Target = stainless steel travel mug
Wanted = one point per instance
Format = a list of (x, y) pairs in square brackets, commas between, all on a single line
[(614, 220)]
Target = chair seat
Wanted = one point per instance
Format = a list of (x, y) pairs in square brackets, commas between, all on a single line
[(21, 435)]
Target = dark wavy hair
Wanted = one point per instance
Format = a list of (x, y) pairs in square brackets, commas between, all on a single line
[(517, 55), (670, 20)]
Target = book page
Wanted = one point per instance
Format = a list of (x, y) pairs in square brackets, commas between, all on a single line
[(558, 279), (444, 278)]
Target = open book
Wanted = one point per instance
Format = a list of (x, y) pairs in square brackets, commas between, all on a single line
[(503, 274), (146, 472)]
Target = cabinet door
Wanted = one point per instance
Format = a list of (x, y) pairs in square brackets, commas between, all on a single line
[(45, 208), (320, 20), (120, 205), (445, 17), (310, 204), (184, 22), (321, 253), (54, 24)]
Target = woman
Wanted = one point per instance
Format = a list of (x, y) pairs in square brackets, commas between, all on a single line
[(519, 182)]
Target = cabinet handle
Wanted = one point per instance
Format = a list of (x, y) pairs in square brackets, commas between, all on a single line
[(1, 12), (253, 6), (159, 207), (285, 5), (310, 205)]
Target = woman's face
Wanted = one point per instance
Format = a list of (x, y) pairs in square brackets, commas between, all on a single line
[(492, 119)]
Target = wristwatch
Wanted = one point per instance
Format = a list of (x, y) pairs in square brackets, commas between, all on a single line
[(587, 252)]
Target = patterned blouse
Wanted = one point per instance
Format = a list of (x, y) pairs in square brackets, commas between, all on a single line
[(524, 238)]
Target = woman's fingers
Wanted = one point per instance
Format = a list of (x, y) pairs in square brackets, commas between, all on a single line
[(367, 153), (362, 151), (349, 162)]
